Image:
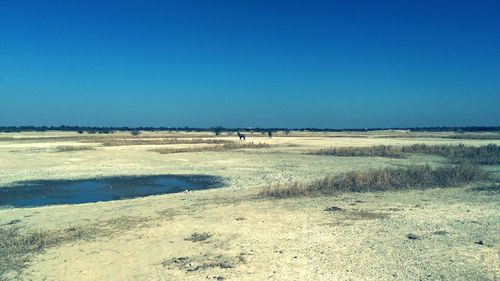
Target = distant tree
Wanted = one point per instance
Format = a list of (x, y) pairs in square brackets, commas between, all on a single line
[(217, 130)]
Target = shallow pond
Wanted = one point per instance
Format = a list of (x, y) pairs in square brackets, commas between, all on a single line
[(51, 192)]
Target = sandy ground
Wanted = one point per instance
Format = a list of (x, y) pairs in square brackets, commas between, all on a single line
[(253, 238)]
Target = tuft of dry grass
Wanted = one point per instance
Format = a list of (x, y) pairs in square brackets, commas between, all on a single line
[(487, 154), (415, 176), (198, 237), (204, 262), (224, 147), (69, 148)]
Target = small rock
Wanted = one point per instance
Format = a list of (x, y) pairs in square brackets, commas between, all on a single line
[(480, 242)]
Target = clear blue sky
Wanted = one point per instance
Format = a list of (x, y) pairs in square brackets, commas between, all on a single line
[(239, 63)]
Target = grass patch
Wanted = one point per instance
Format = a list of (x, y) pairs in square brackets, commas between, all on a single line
[(371, 151), (138, 141), (492, 188), (415, 176), (484, 136), (486, 155), (224, 147), (17, 247), (69, 148)]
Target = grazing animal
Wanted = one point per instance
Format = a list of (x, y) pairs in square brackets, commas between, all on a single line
[(241, 136)]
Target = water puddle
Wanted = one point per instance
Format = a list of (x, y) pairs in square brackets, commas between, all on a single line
[(53, 192)]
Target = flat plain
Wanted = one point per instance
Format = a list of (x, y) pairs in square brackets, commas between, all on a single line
[(234, 232)]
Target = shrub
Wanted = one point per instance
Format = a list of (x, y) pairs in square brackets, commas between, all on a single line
[(217, 130)]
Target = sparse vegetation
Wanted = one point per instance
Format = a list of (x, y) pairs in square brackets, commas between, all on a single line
[(17, 247), (69, 148), (491, 188), (371, 151), (204, 262), (224, 147), (198, 237), (487, 155), (162, 141), (481, 136), (415, 176)]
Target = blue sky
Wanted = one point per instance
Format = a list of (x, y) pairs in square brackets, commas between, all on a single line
[(336, 64)]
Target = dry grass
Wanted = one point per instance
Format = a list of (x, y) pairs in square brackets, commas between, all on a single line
[(487, 155), (161, 141), (204, 262), (69, 148), (491, 188), (479, 136), (17, 247), (371, 151), (198, 237), (416, 176), (224, 147)]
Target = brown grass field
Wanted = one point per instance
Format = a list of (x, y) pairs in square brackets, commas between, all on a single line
[(385, 205)]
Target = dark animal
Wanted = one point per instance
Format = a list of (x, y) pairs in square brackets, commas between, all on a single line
[(241, 136)]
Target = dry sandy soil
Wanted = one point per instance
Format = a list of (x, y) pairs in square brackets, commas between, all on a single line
[(241, 236)]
